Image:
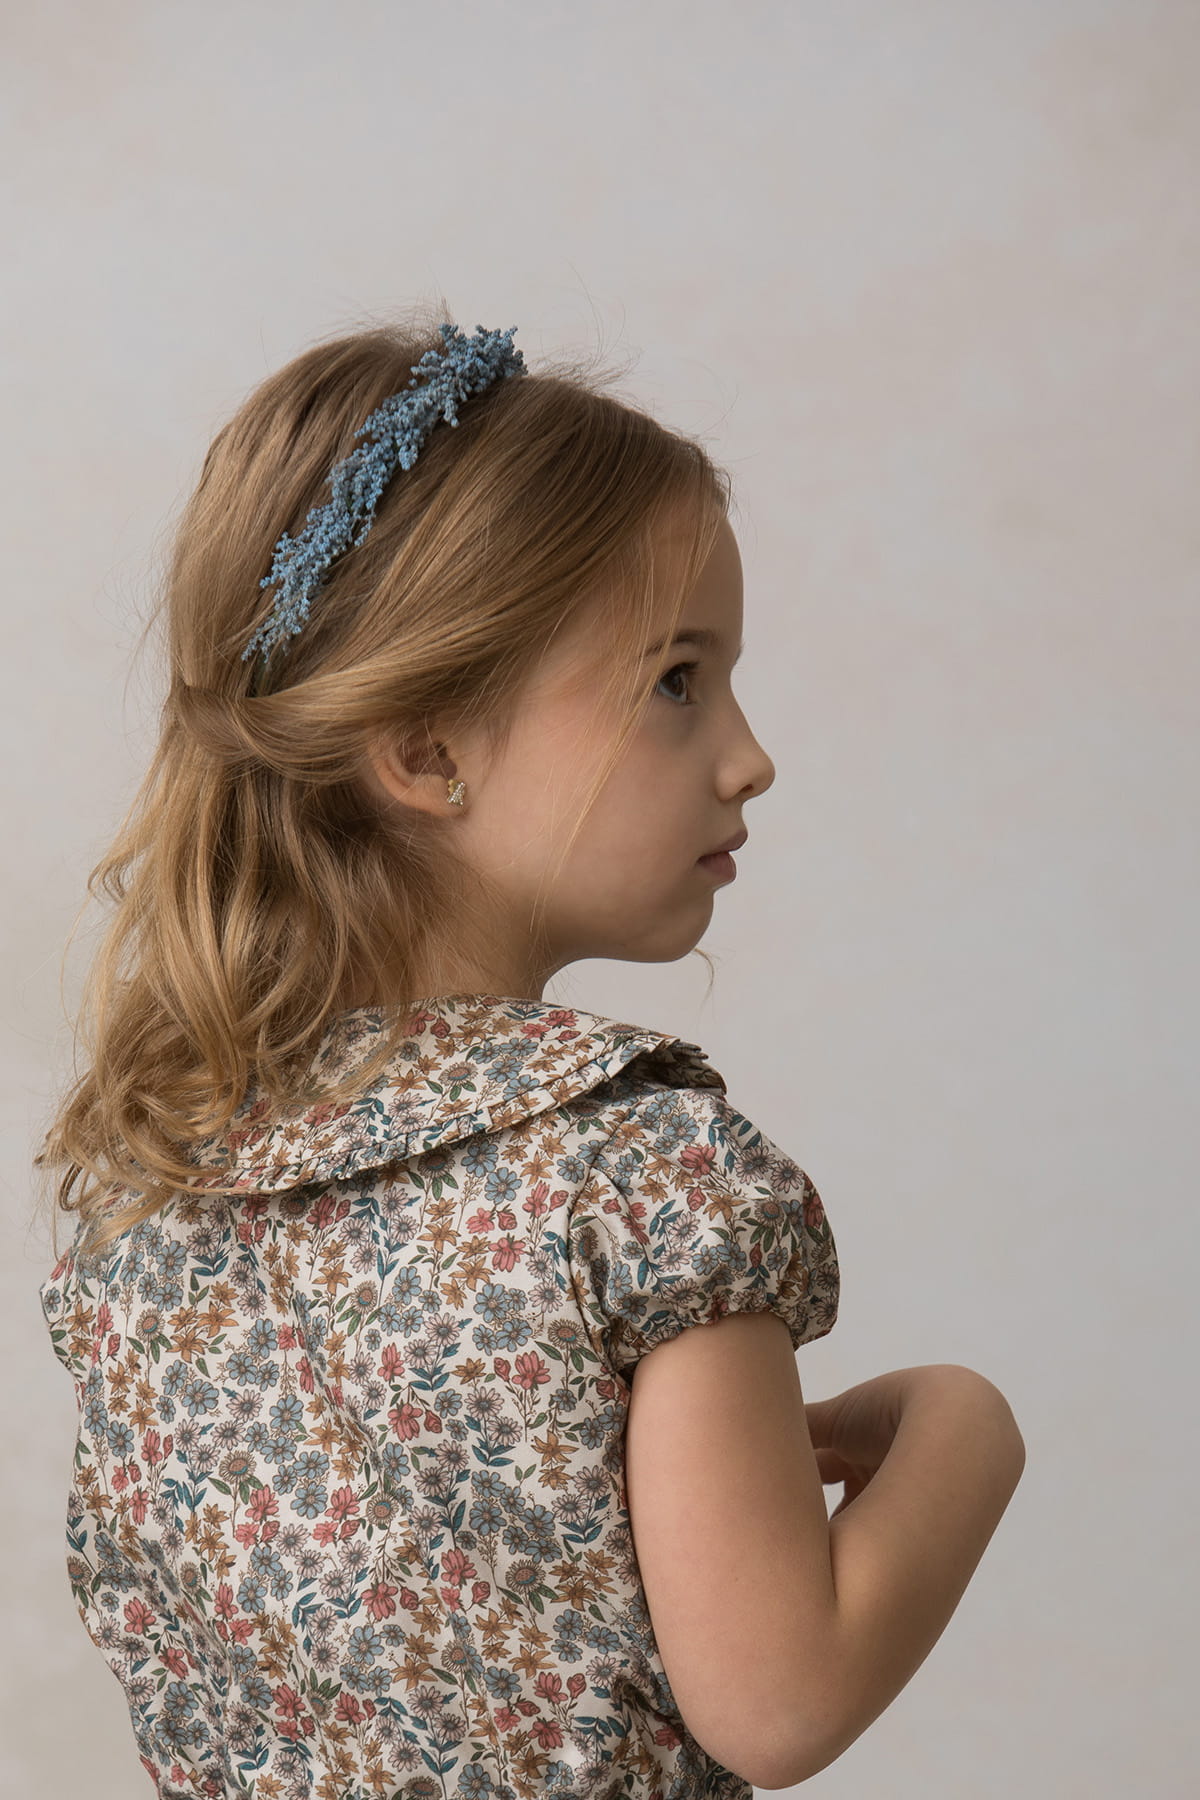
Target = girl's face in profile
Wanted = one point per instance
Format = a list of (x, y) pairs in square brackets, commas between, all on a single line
[(632, 886)]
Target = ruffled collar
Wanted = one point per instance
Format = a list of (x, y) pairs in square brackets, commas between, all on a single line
[(470, 1063)]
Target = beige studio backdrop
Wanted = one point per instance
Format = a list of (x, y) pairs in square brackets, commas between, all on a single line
[(923, 274)]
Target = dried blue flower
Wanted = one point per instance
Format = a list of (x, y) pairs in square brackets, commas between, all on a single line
[(398, 428)]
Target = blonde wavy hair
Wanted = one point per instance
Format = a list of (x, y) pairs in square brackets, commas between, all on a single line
[(256, 874)]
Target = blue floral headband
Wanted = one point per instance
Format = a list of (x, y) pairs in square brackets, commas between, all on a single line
[(399, 428)]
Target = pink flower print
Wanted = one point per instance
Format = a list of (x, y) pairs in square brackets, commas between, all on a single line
[(538, 1205), (531, 1370), (506, 1219), (548, 1686), (251, 1231), (379, 1601), (152, 1448), (138, 1618), (322, 1115), (294, 1721), (137, 1505), (342, 1504), (507, 1254), (262, 1504), (457, 1567), (391, 1363), (322, 1213), (339, 1522), (258, 1522), (698, 1158), (405, 1420)]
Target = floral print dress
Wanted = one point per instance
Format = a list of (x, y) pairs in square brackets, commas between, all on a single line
[(348, 1514)]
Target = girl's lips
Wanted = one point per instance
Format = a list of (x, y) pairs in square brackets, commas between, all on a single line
[(719, 863), (731, 844)]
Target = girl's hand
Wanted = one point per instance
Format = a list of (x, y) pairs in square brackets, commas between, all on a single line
[(853, 1431)]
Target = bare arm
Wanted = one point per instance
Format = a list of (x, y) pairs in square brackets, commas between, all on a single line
[(905, 1549), (783, 1632)]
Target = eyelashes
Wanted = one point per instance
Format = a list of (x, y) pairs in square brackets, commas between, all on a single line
[(682, 668)]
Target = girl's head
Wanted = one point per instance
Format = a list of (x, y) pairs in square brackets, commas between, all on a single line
[(614, 875), (511, 619)]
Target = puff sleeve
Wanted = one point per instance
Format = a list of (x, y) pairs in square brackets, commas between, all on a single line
[(690, 1213)]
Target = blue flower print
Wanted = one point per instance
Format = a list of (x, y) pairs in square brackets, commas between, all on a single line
[(199, 1396), (503, 1187), (120, 1441), (285, 1478), (252, 1592), (172, 1260), (256, 1692), (174, 1377), (365, 1643), (95, 1415), (312, 1465), (405, 1288), (310, 1499), (242, 1367), (263, 1338), (288, 1412), (503, 1684), (267, 1563), (480, 1155)]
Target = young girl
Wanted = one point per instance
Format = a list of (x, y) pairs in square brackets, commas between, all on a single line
[(398, 1471)]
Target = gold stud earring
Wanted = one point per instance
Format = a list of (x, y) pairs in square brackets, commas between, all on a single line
[(455, 792)]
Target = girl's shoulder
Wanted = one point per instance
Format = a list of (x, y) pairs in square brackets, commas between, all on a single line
[(471, 1065)]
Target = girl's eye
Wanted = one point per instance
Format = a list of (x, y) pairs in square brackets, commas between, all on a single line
[(679, 669)]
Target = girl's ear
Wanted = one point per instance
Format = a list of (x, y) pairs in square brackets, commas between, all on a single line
[(413, 771)]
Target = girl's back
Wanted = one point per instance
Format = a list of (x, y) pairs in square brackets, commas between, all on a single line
[(349, 1501)]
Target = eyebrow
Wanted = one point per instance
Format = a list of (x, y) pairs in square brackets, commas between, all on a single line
[(701, 636)]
